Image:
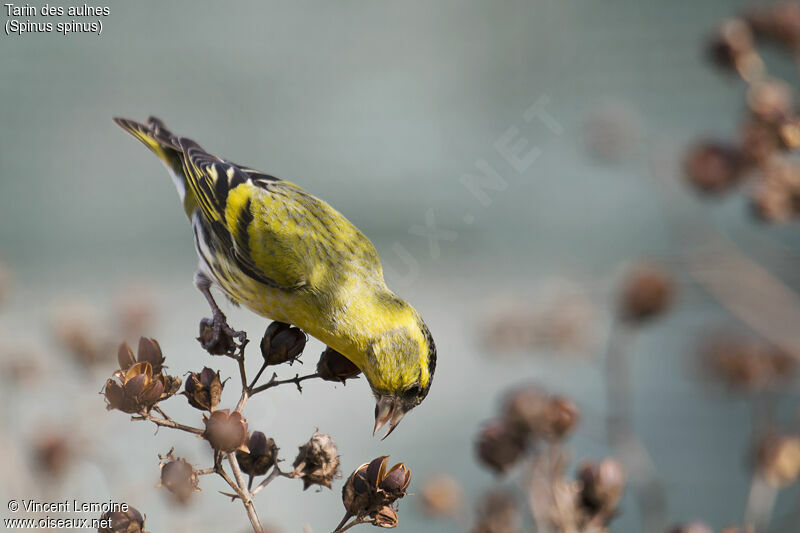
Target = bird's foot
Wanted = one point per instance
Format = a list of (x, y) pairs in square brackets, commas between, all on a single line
[(218, 338)]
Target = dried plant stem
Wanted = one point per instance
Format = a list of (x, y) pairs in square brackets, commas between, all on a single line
[(167, 422), (245, 495), (630, 450), (275, 473), (274, 382), (343, 526)]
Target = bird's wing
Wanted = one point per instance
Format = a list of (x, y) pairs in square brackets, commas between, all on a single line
[(278, 233)]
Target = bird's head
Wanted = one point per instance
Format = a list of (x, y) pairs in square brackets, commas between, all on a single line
[(401, 363)]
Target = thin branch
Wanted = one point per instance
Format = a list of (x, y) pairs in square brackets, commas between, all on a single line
[(258, 375), (167, 422), (357, 521), (246, 496), (274, 474), (274, 382)]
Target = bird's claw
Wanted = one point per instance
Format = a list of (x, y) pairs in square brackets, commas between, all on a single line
[(218, 338)]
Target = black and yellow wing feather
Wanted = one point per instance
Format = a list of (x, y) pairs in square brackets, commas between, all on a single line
[(276, 232)]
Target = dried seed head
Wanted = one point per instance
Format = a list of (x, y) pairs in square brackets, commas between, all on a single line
[(525, 410), (203, 389), (778, 460), (759, 142), (713, 167), (500, 445), (385, 517), (778, 22), (395, 481), (373, 487), (135, 390), (333, 366), (647, 291), (180, 478), (282, 343), (52, 453), (731, 48), (602, 486), (226, 431), (357, 492), (562, 417), (148, 351), (223, 344), (746, 365), (130, 521), (317, 462), (441, 496), (771, 101), (262, 455), (498, 513)]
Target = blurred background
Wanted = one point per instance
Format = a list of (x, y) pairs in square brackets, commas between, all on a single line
[(389, 111)]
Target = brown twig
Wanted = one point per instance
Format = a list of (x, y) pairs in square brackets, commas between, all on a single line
[(167, 422), (358, 520), (274, 382)]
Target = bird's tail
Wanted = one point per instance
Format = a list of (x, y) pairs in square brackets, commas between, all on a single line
[(166, 146)]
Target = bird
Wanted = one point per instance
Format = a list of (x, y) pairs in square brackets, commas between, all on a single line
[(288, 256)]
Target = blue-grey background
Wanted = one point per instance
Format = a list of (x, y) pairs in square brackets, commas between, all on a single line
[(379, 108)]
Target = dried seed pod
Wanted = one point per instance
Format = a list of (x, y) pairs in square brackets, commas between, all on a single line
[(713, 167), (385, 517), (333, 366), (731, 48), (262, 455), (602, 486), (203, 389), (373, 487), (777, 22), (498, 513), (357, 492), (282, 343), (179, 478), (759, 142), (562, 417), (223, 344), (441, 496), (744, 364), (395, 482), (500, 445), (130, 521), (317, 462), (148, 351), (647, 292), (52, 453), (771, 101), (136, 390), (226, 431), (533, 413)]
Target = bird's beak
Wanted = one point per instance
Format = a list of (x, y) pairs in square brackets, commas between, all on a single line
[(387, 411)]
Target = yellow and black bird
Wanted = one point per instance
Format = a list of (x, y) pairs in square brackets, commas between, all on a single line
[(289, 256)]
